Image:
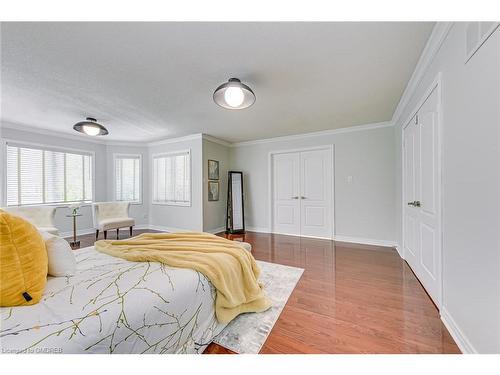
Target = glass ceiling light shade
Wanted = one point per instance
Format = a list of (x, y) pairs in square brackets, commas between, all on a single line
[(234, 95), (90, 127)]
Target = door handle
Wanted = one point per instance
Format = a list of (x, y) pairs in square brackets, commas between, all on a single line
[(415, 204), (303, 198), (295, 197)]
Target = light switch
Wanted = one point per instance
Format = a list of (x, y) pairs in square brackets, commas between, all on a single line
[(349, 179)]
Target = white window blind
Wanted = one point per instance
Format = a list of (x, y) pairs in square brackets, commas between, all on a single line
[(172, 178), (36, 175), (128, 178)]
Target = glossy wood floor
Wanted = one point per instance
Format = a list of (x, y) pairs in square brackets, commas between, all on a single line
[(350, 299)]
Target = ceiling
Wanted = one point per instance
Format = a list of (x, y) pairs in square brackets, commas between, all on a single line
[(149, 81)]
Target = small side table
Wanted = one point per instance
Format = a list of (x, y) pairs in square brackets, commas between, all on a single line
[(74, 243)]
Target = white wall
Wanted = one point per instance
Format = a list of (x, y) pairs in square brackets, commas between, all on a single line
[(471, 186), (139, 211), (181, 217), (64, 224), (214, 213), (364, 209)]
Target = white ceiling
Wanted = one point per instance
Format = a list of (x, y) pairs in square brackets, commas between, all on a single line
[(148, 81)]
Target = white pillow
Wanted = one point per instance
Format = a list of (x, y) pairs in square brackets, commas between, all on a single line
[(62, 261), (45, 235)]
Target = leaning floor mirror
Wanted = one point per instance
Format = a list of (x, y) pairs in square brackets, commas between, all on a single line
[(235, 222)]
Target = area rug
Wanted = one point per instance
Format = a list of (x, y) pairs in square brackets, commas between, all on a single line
[(247, 333)]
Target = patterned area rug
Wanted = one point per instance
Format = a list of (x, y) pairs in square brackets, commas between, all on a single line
[(247, 333)]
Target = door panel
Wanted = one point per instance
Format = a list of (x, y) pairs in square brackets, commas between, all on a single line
[(422, 231), (314, 216), (316, 193), (427, 239), (428, 155), (286, 193), (411, 243), (313, 167), (429, 214), (411, 229), (286, 214)]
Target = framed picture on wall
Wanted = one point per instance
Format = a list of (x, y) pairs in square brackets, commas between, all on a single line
[(213, 191), (213, 170)]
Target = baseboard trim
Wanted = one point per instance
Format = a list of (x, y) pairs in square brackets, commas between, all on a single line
[(215, 230), (400, 251), (298, 235), (162, 228), (460, 338), (340, 238), (141, 226), (365, 241), (258, 229)]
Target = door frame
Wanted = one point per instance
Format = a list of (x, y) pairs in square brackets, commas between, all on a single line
[(435, 85), (331, 148)]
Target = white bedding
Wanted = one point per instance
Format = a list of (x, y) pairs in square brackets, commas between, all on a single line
[(115, 306)]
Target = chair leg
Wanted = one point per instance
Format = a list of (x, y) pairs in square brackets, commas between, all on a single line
[(96, 234), (105, 234), (117, 233), (131, 231)]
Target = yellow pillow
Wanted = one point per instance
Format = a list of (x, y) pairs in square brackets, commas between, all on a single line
[(23, 262)]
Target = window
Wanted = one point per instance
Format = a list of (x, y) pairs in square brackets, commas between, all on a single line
[(172, 178), (37, 175), (127, 177)]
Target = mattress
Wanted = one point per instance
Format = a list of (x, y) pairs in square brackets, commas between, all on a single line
[(115, 306)]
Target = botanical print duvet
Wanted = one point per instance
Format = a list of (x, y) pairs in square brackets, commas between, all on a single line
[(115, 306)]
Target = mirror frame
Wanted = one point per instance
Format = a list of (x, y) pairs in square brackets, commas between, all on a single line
[(229, 210)]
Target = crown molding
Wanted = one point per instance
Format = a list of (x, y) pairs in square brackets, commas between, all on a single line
[(322, 133), (194, 136), (174, 140), (126, 144), (216, 140), (432, 47)]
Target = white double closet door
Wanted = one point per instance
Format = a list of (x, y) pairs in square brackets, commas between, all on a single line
[(422, 201), (302, 193)]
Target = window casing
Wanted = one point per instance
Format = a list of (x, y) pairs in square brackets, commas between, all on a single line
[(128, 178), (44, 175), (172, 178)]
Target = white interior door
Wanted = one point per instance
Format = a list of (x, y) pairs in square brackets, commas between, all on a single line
[(422, 196), (316, 193), (286, 203), (303, 193), (411, 183)]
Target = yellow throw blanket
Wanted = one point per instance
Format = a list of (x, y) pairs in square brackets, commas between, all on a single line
[(231, 269)]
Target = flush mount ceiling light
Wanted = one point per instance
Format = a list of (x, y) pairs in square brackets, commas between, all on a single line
[(234, 95), (90, 127)]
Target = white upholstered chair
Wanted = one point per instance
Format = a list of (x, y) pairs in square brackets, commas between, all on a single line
[(111, 215), (42, 217)]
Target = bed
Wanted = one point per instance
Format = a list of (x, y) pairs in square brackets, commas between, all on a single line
[(115, 306)]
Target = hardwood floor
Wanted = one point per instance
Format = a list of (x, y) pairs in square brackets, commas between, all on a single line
[(350, 299)]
